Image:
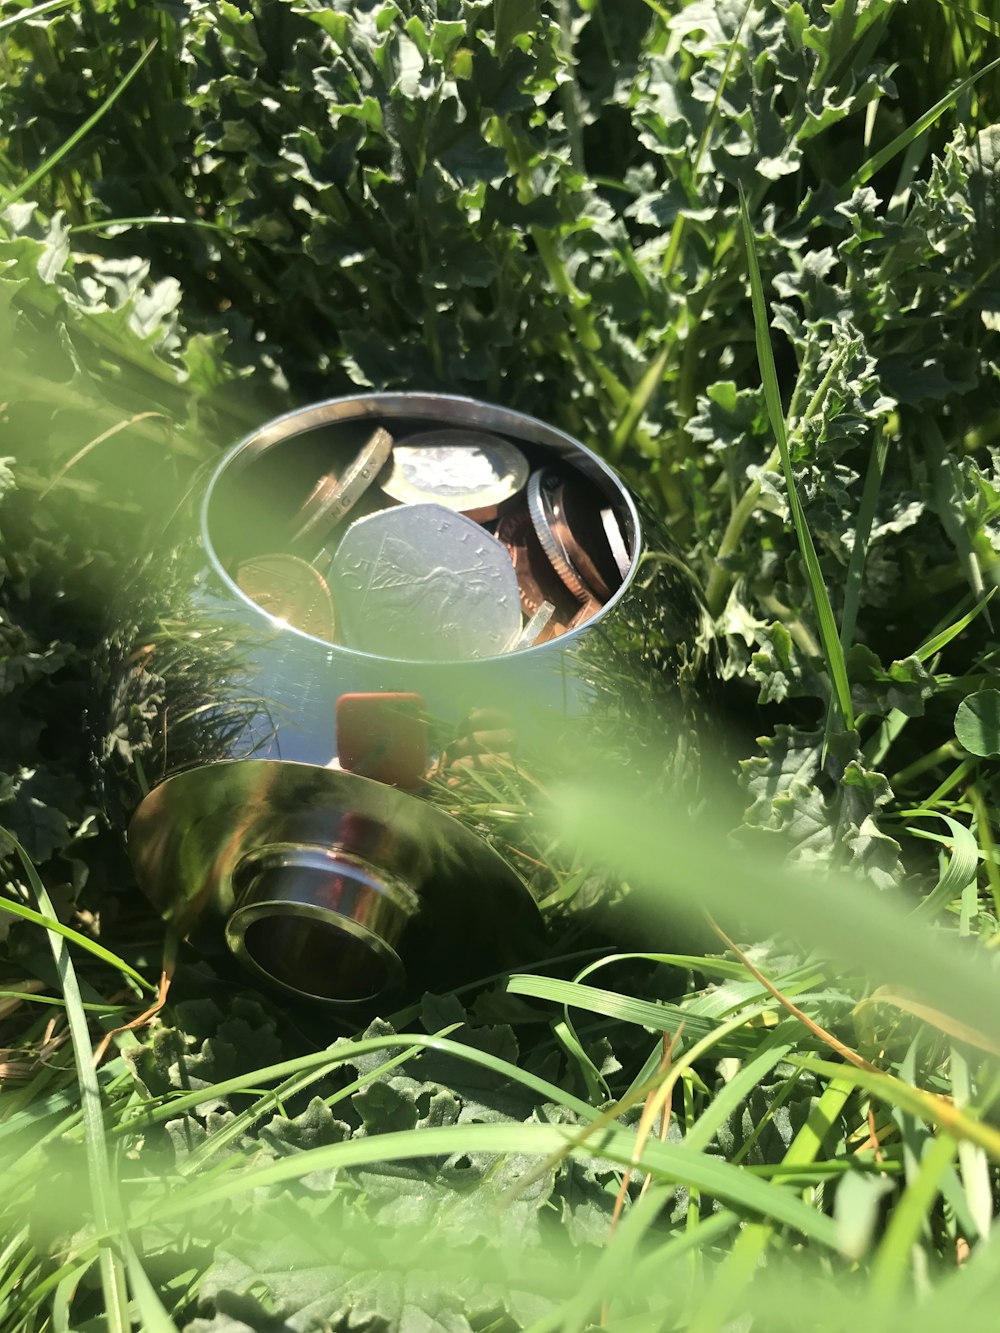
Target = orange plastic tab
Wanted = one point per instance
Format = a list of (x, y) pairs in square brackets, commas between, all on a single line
[(383, 737)]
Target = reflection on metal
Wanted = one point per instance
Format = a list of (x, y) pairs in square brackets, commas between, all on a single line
[(268, 850), (243, 750)]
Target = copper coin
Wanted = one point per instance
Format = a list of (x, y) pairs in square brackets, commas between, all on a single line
[(333, 497), (587, 611), (289, 590), (536, 578), (579, 525)]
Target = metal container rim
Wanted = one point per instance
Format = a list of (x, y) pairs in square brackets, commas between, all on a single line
[(303, 419)]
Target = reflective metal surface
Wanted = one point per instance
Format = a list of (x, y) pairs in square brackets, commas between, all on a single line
[(314, 806), (323, 881)]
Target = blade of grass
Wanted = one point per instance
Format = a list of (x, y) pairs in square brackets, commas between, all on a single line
[(91, 946), (153, 220), (324, 1062), (62, 1300), (214, 1143), (35, 12), (612, 818), (597, 1088), (862, 537), (667, 1161), (100, 439), (983, 1041), (32, 179), (973, 16), (102, 1190), (906, 1221), (60, 1003), (933, 645), (745, 1255), (916, 1101), (829, 636), (984, 831), (626, 1008), (734, 1093), (973, 1165), (907, 136), (152, 1315), (962, 867)]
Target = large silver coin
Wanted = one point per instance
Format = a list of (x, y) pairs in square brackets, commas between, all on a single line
[(425, 584), (332, 498), (469, 471)]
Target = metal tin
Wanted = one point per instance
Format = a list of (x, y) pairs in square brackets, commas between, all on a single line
[(273, 782)]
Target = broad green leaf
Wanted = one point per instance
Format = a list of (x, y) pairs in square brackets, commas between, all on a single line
[(977, 722)]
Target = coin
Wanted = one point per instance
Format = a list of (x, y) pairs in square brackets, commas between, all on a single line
[(578, 526), (332, 497), (425, 584), (536, 579), (587, 611), (289, 590), (469, 471), (540, 487)]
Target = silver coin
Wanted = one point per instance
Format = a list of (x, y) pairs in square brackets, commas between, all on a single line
[(464, 470), (425, 584), (541, 520), (333, 497)]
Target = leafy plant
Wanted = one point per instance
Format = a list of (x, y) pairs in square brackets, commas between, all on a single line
[(213, 210)]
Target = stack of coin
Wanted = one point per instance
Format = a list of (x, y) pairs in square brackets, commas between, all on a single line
[(473, 554)]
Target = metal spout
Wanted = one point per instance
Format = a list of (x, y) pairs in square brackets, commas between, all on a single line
[(329, 886), (321, 925)]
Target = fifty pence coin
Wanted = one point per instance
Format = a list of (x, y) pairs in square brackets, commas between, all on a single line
[(424, 583), (289, 590), (469, 471), (332, 497)]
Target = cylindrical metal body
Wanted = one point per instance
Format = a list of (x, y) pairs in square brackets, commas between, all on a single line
[(307, 802)]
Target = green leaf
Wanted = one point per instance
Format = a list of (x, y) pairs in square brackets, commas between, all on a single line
[(514, 19), (977, 722)]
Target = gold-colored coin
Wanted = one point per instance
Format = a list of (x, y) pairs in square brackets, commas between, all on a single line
[(289, 590), (332, 497)]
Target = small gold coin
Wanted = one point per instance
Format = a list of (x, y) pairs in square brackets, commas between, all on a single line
[(290, 590)]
